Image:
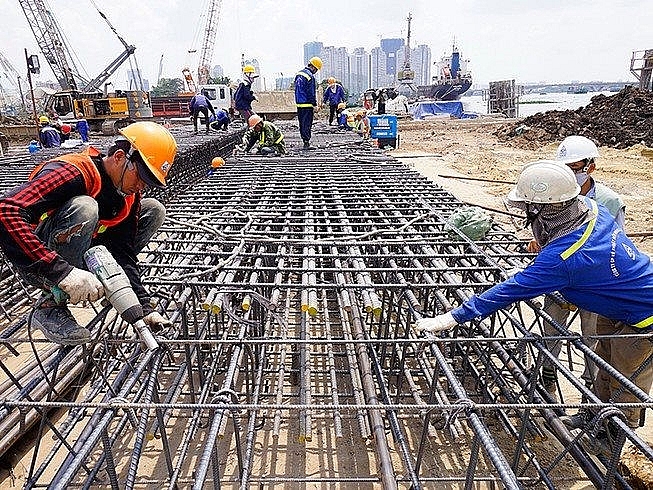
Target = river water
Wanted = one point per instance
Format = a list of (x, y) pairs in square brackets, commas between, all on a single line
[(545, 102)]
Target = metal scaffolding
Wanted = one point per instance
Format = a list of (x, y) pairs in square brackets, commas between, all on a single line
[(292, 283)]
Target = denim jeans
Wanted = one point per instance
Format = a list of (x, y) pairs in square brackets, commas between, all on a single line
[(69, 230)]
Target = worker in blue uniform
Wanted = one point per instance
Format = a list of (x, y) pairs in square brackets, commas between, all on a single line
[(199, 103), (579, 154), (586, 256), (333, 95), (220, 120), (244, 95), (48, 135), (306, 98)]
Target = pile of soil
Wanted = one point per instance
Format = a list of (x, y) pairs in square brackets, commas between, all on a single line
[(621, 121)]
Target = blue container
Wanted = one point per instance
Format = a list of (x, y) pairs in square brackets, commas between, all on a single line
[(383, 126)]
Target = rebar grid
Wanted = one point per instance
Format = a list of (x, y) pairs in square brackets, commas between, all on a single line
[(292, 283)]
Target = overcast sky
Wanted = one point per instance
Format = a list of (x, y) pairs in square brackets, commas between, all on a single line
[(555, 41)]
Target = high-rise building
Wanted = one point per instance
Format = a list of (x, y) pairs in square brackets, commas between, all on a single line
[(283, 83), (313, 48), (420, 63), (393, 50), (359, 71), (335, 63)]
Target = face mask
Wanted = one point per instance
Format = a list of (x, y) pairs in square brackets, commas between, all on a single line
[(581, 177)]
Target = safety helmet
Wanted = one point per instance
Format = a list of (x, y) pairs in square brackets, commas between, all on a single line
[(341, 105), (545, 182), (316, 62), (576, 148), (157, 148), (44, 119), (217, 162), (254, 119), (249, 69), (331, 80)]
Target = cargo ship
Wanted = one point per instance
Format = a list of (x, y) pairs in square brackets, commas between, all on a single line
[(452, 78)]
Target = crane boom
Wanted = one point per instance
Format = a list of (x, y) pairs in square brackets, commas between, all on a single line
[(210, 31), (51, 41)]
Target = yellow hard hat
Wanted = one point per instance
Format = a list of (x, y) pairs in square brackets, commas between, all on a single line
[(157, 148), (316, 62), (342, 105), (44, 119), (217, 162), (331, 80), (249, 69), (254, 119)]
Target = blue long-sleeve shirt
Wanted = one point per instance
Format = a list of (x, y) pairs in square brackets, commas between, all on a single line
[(596, 267), (305, 89), (244, 97), (334, 94), (198, 101)]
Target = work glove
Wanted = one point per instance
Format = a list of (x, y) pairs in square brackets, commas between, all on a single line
[(435, 324), (533, 247), (81, 285), (157, 320)]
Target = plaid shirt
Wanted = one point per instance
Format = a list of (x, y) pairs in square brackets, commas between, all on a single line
[(22, 207)]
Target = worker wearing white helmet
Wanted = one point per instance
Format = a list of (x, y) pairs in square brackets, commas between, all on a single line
[(579, 154), (586, 257)]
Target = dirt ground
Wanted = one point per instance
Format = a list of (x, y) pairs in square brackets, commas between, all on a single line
[(469, 148), (465, 148)]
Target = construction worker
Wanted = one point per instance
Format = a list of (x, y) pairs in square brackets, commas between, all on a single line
[(362, 124), (79, 200), (586, 256), (220, 120), (306, 98), (264, 136), (244, 96), (48, 135), (82, 127), (200, 104), (333, 95), (345, 119), (579, 154)]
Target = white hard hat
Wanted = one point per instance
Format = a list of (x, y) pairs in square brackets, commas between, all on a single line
[(576, 148), (545, 182)]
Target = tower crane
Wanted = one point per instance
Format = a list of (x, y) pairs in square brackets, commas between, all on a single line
[(210, 31)]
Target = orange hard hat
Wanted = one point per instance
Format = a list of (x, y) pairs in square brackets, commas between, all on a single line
[(217, 162), (254, 119), (156, 146)]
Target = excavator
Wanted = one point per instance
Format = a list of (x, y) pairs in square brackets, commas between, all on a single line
[(104, 112)]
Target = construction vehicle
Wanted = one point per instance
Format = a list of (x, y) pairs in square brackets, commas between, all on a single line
[(103, 111)]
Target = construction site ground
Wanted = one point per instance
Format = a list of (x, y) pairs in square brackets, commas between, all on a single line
[(434, 148)]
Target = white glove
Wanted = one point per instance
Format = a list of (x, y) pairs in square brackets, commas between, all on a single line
[(155, 319), (435, 324), (81, 285)]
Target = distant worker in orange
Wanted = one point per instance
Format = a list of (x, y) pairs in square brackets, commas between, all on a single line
[(306, 98), (333, 95)]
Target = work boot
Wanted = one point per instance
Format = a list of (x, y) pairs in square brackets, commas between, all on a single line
[(58, 324), (578, 420), (549, 380)]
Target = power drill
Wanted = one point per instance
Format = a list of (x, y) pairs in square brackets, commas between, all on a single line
[(118, 291)]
